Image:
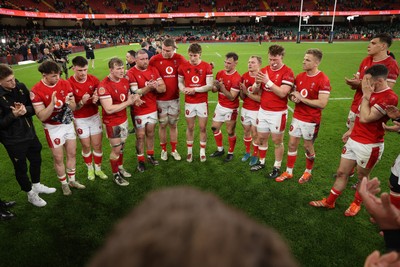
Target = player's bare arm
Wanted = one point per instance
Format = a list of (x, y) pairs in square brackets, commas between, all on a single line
[(111, 108), (42, 112), (320, 103), (207, 87), (391, 128)]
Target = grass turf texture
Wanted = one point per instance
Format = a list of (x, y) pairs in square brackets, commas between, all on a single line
[(69, 230)]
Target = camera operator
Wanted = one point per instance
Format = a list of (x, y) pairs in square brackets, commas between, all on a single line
[(46, 56), (61, 56)]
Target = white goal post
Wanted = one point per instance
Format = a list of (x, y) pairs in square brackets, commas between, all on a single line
[(305, 18)]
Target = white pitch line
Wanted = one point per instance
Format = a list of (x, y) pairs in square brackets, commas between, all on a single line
[(27, 67), (290, 109), (341, 98), (218, 54), (108, 58)]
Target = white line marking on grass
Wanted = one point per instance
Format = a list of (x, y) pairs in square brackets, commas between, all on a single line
[(218, 54), (27, 67), (341, 98), (212, 102), (290, 109), (108, 58)]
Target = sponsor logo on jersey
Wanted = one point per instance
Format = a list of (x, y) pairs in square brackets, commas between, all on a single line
[(304, 92), (122, 97), (195, 79), (169, 70)]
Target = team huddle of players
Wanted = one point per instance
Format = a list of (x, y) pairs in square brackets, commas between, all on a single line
[(151, 89)]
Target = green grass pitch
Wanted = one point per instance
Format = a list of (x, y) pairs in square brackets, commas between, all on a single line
[(69, 230)]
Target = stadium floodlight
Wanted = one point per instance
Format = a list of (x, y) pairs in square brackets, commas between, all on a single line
[(3, 40)]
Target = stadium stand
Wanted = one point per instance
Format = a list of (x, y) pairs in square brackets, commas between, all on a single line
[(170, 6)]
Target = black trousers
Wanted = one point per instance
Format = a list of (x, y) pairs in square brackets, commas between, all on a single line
[(19, 154)]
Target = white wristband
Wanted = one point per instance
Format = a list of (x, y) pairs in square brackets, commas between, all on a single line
[(269, 84)]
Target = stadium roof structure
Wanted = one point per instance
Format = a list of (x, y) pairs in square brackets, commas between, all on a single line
[(46, 15)]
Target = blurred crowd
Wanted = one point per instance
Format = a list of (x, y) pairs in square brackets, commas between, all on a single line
[(21, 40)]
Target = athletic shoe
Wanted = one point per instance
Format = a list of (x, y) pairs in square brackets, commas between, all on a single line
[(253, 160), (305, 178), (36, 200), (152, 161), (76, 184), (124, 173), (66, 190), (5, 215), (284, 177), (7, 204), (101, 174), (274, 173), (119, 180), (246, 156), (176, 155), (164, 155), (90, 175), (257, 167), (352, 210), (322, 204), (41, 188), (229, 157), (189, 157), (141, 167), (217, 153)]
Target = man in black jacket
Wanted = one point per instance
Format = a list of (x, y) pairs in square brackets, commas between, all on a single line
[(17, 134), (61, 58)]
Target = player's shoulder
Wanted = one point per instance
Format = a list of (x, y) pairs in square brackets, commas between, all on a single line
[(62, 82), (237, 75), (155, 58), (105, 81), (93, 78), (179, 56), (288, 69)]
